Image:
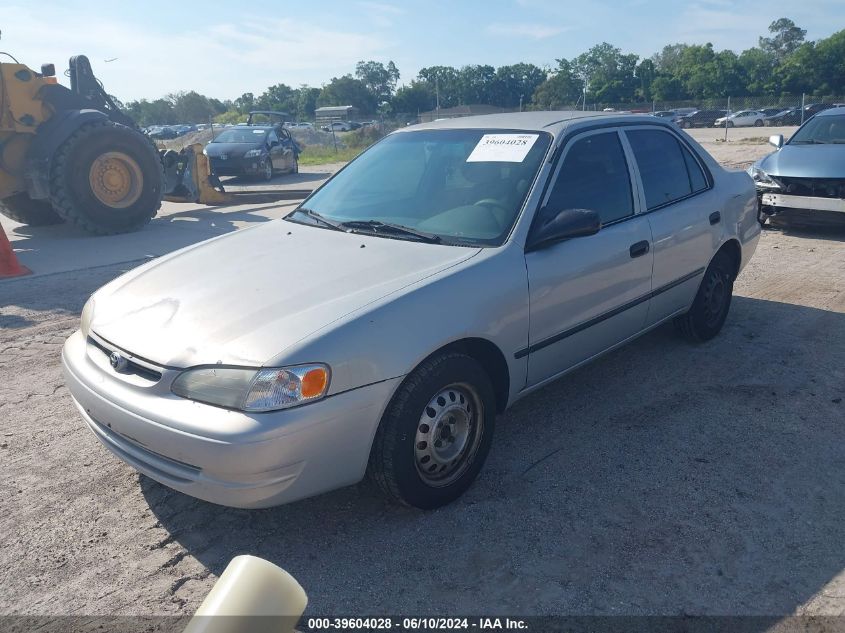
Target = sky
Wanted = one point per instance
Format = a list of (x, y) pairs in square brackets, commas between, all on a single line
[(224, 49)]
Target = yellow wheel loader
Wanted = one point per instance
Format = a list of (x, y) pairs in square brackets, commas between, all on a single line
[(71, 154)]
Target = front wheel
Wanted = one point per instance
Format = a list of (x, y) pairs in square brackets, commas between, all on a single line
[(435, 433), (730, 123), (267, 170), (710, 308), (107, 178)]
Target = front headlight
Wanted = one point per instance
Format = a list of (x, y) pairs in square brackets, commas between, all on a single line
[(252, 153), (762, 179), (254, 390), (85, 318)]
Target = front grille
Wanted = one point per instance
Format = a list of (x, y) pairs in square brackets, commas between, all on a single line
[(132, 368), (814, 187)]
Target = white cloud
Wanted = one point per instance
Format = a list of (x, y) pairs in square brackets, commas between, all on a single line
[(221, 60), (533, 31)]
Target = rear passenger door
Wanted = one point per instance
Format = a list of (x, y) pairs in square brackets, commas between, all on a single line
[(683, 212), (588, 294)]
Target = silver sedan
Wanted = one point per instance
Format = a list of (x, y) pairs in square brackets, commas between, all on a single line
[(379, 328)]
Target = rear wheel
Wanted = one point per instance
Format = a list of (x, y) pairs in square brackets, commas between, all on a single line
[(295, 168), (107, 178), (758, 123), (21, 208), (712, 303), (436, 432)]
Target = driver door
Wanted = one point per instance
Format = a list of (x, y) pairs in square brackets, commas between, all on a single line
[(587, 294)]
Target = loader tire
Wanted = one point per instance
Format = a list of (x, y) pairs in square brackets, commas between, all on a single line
[(21, 208), (106, 178)]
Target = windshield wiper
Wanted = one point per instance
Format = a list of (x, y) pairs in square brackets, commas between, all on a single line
[(377, 226), (810, 141), (321, 219)]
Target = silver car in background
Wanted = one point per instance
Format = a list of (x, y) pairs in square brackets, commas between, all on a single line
[(448, 271)]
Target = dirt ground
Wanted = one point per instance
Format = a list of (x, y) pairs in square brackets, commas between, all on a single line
[(666, 478)]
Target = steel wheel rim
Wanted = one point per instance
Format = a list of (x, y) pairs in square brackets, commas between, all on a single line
[(448, 435), (116, 179), (715, 294)]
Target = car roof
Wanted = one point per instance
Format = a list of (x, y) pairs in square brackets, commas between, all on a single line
[(831, 112), (552, 122)]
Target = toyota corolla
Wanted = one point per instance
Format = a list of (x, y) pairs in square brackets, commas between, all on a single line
[(379, 328)]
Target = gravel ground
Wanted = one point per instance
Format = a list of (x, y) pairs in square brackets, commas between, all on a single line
[(666, 478)]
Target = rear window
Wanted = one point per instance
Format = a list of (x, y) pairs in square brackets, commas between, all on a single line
[(667, 169)]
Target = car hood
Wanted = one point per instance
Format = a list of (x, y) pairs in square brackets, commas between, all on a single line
[(232, 149), (806, 161), (244, 298)]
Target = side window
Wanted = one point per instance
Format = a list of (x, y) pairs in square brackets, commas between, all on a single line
[(696, 177), (663, 167), (272, 137), (594, 175)]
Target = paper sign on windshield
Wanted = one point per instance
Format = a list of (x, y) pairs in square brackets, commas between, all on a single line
[(502, 148)]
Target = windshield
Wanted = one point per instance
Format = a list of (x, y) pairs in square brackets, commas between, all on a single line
[(241, 135), (463, 186), (821, 129)]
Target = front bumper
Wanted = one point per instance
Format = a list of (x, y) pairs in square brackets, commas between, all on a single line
[(785, 200), (237, 166), (226, 457)]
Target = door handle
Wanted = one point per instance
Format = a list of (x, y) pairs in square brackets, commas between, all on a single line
[(639, 249), (715, 217)]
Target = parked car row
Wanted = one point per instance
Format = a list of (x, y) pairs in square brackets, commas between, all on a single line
[(692, 118)]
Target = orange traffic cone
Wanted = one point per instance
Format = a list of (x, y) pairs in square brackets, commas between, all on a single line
[(9, 264)]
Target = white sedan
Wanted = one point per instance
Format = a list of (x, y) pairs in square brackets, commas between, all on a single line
[(744, 118)]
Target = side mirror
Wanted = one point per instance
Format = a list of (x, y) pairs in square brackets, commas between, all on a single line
[(566, 224), (776, 140)]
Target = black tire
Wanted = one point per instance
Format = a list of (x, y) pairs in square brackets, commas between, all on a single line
[(730, 123), (758, 123), (71, 191), (707, 315), (21, 208), (398, 453), (266, 169), (687, 124), (295, 168)]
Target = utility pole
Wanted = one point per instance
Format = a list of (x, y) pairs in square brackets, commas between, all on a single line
[(437, 93), (520, 102)]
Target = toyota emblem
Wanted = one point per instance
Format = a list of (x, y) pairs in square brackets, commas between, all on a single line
[(118, 362)]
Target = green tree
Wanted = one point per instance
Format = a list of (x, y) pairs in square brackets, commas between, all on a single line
[(281, 98), (516, 84), (379, 79), (443, 81), (608, 73), (414, 98), (561, 89), (191, 107), (786, 38), (245, 102), (347, 90), (830, 62), (306, 101), (758, 68)]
